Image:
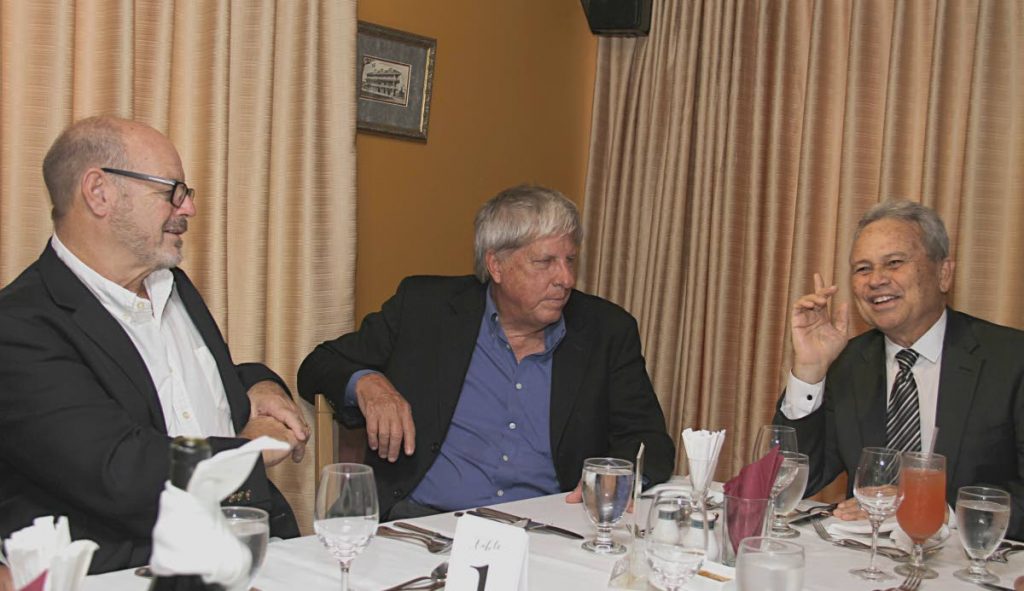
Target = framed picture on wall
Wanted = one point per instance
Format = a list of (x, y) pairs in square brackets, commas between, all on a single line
[(394, 75)]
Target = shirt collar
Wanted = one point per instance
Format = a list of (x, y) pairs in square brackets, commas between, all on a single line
[(115, 297), (553, 333), (928, 346)]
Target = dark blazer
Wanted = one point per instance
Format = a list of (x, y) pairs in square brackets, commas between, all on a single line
[(980, 411), (602, 400), (82, 433)]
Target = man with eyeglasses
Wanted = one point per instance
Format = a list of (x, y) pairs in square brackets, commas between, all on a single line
[(107, 351)]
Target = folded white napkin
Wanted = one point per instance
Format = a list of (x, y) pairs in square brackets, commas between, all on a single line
[(702, 449), (45, 546), (191, 535)]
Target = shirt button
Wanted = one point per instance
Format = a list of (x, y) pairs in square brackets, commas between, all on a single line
[(809, 397), (512, 426), (519, 386), (186, 415), (501, 493), (140, 306), (504, 457)]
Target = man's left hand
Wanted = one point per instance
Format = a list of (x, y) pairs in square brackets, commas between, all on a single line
[(269, 399)]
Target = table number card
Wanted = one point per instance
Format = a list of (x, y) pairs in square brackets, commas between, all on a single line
[(488, 556)]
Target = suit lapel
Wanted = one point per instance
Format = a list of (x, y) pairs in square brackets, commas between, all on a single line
[(567, 371), (869, 394), (458, 340), (94, 320), (958, 382), (238, 399)]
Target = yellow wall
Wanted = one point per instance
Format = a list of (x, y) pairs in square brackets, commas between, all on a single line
[(511, 103)]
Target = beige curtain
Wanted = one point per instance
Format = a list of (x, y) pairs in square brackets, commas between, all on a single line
[(258, 97), (735, 147)]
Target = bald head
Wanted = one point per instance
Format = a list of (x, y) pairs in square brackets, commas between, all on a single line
[(93, 142)]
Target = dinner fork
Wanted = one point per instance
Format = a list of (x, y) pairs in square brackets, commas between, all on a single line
[(433, 546), (911, 583), (890, 553)]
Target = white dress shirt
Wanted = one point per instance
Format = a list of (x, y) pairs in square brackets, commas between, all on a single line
[(802, 398), (182, 368)]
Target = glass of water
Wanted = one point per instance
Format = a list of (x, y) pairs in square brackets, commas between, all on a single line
[(607, 487), (982, 515), (673, 547), (346, 514), (767, 564), (787, 490), (250, 525)]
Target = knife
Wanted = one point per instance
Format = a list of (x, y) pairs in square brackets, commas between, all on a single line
[(423, 530), (531, 525), (813, 513), (994, 587)]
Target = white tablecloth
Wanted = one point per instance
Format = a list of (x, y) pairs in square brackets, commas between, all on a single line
[(556, 563)]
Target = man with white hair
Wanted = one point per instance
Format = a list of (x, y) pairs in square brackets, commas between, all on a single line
[(496, 387)]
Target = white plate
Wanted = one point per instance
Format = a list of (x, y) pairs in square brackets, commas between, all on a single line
[(683, 483), (860, 527)]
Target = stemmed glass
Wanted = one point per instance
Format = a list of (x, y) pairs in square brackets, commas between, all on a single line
[(771, 436), (923, 509), (794, 467), (251, 526), (346, 513), (607, 487), (982, 515), (674, 551), (766, 564), (876, 486)]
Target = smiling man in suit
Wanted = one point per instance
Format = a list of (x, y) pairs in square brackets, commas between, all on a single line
[(496, 387), (107, 351), (923, 366)]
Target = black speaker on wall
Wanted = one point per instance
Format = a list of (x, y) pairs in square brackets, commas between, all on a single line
[(630, 18)]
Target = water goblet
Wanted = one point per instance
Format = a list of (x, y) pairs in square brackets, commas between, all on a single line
[(982, 516), (876, 486), (346, 512), (923, 509), (607, 488), (251, 526), (767, 564), (672, 546), (794, 467), (772, 436)]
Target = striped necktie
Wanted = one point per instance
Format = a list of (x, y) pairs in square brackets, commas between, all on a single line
[(903, 422)]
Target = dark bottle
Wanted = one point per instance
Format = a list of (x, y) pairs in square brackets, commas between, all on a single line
[(186, 453)]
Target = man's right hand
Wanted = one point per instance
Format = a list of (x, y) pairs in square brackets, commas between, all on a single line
[(265, 425), (389, 422), (818, 336)]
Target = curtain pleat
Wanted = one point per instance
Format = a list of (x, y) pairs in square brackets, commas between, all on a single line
[(258, 98), (734, 148)]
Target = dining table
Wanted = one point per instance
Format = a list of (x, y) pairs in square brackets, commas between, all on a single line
[(556, 563)]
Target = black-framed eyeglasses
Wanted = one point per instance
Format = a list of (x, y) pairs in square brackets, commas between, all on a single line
[(179, 190)]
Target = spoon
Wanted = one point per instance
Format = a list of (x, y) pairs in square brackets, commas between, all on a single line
[(437, 576)]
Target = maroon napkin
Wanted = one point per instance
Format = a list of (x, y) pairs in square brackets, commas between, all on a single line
[(37, 585), (752, 483)]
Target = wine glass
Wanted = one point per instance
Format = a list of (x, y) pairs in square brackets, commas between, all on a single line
[(795, 467), (876, 486), (772, 436), (346, 513), (607, 487), (251, 526), (982, 515), (923, 508), (767, 564), (674, 549)]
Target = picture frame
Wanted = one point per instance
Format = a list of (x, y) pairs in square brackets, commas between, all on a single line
[(394, 79)]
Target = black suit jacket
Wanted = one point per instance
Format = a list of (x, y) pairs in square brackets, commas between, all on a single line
[(980, 411), (82, 433), (602, 400)]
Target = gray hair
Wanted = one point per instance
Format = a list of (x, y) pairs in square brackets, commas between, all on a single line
[(933, 231), (96, 141), (516, 217)]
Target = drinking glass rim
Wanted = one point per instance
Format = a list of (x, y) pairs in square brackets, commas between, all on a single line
[(346, 468), (613, 463), (781, 547), (989, 491), (255, 513)]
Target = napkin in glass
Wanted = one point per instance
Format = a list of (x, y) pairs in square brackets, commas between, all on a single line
[(191, 536), (753, 482), (42, 556)]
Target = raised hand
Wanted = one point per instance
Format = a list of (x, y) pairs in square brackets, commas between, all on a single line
[(818, 334), (389, 422)]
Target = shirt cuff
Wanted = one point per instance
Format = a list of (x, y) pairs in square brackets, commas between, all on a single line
[(350, 389), (801, 398)]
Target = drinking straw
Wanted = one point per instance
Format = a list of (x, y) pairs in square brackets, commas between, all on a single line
[(931, 444)]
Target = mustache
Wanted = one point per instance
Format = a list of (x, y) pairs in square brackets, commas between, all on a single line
[(178, 224)]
